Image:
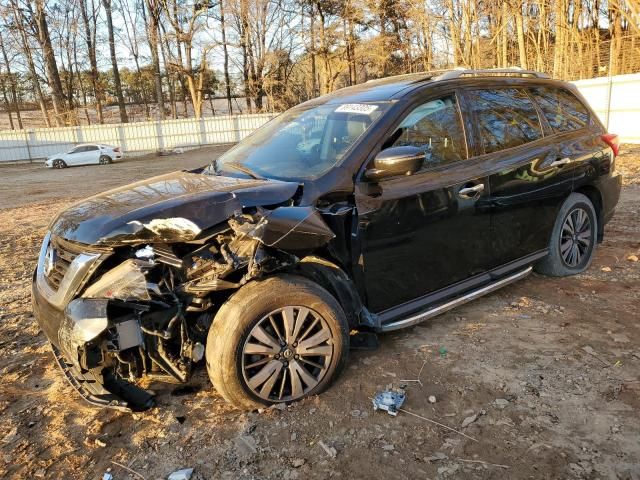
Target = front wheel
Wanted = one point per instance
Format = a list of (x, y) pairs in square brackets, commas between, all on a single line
[(573, 238), (59, 164), (276, 340)]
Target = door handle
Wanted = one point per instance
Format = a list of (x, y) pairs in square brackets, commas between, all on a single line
[(471, 192), (560, 162)]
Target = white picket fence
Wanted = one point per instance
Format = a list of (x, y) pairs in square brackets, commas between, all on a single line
[(140, 137), (616, 100)]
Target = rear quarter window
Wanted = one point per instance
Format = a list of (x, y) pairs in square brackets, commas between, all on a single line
[(506, 118), (561, 108)]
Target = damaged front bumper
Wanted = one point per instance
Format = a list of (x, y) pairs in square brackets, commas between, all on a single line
[(71, 326)]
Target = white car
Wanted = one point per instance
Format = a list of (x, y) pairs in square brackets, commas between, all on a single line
[(85, 154)]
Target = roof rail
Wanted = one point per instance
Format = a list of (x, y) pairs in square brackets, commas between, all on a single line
[(461, 71)]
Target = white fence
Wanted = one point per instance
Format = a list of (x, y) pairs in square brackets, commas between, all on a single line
[(616, 100), (39, 143)]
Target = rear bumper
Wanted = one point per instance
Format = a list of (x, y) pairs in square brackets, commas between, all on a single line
[(610, 188)]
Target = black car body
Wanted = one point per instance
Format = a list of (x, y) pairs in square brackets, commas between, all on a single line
[(458, 184)]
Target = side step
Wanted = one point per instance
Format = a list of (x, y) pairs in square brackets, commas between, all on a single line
[(467, 297)]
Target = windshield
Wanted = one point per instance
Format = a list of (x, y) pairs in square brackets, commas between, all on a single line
[(302, 143)]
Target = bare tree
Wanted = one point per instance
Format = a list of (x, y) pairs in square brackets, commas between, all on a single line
[(114, 62)]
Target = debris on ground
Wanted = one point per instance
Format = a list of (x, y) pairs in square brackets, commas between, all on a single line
[(389, 400), (589, 349), (246, 445), (184, 474), (432, 399), (298, 462), (436, 457), (472, 418), (331, 451)]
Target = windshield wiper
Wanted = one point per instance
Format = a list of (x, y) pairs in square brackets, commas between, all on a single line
[(243, 169)]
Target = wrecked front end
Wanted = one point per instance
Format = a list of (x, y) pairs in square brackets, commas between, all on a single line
[(138, 305)]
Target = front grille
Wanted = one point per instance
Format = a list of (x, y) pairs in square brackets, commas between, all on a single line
[(62, 254)]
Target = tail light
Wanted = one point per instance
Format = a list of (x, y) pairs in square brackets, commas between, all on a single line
[(117, 149), (613, 141)]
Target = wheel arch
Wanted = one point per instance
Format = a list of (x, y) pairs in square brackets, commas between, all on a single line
[(594, 195), (332, 278)]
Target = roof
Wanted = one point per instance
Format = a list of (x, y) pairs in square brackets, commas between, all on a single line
[(390, 88)]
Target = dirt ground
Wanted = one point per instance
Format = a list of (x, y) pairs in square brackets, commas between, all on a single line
[(548, 370)]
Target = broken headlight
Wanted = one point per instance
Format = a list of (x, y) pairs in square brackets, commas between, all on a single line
[(124, 282)]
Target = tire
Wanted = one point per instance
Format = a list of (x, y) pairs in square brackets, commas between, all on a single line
[(104, 160), (59, 164), (232, 347), (576, 211)]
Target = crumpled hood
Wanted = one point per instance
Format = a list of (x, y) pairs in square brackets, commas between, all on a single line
[(171, 207)]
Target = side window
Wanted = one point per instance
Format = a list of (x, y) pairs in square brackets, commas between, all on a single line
[(435, 126), (90, 148), (562, 109), (506, 118), (77, 150)]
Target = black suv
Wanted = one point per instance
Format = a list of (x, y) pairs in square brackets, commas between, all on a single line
[(372, 208)]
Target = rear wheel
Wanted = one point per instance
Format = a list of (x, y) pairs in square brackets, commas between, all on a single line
[(276, 340), (573, 238), (59, 164), (104, 160)]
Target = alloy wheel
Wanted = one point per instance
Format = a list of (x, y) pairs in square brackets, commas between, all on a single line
[(576, 237), (287, 354)]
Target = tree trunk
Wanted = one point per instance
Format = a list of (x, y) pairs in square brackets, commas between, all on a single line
[(50, 62), (12, 87), (7, 106), (90, 37), (227, 79), (114, 63), (314, 73), (505, 36), (521, 43), (152, 36)]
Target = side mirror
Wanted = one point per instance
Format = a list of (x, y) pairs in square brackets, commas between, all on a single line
[(396, 161)]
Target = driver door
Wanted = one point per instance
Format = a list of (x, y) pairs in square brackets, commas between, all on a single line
[(423, 232)]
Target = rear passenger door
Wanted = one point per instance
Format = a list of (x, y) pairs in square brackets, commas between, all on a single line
[(92, 154), (527, 180), (575, 132)]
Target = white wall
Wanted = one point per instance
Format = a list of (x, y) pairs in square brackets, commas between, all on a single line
[(623, 107)]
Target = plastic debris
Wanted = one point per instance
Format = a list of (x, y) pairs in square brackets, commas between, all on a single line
[(107, 476), (443, 352), (331, 451), (184, 474), (389, 400)]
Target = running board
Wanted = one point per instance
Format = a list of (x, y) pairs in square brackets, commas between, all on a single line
[(425, 315)]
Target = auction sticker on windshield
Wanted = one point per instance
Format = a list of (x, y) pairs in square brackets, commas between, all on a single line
[(356, 108)]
